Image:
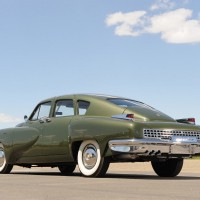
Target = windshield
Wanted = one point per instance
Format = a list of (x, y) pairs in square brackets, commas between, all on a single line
[(129, 103)]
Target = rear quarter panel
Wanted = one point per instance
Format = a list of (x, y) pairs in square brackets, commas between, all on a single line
[(101, 129)]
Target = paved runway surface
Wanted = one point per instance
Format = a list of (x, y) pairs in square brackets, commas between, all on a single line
[(123, 181)]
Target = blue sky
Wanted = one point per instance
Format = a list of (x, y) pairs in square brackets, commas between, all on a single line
[(144, 50)]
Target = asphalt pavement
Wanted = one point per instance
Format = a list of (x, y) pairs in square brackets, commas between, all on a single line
[(123, 181)]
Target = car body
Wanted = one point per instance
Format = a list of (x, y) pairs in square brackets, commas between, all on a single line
[(94, 130)]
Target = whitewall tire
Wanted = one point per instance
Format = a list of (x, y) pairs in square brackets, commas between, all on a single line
[(90, 162), (4, 167)]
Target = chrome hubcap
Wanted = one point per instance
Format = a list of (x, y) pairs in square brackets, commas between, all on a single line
[(89, 156), (2, 158)]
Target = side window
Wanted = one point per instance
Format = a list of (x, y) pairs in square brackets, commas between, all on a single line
[(43, 110), (83, 107), (64, 108)]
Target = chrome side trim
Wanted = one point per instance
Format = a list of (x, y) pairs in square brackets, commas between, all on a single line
[(152, 147), (122, 116)]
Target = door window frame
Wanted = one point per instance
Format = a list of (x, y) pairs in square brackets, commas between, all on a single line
[(54, 109), (36, 108), (77, 106)]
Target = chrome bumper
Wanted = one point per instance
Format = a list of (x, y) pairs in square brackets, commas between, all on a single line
[(154, 147)]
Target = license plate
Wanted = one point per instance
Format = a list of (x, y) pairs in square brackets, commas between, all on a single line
[(186, 139)]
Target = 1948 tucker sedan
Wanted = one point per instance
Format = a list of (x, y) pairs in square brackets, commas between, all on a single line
[(95, 130)]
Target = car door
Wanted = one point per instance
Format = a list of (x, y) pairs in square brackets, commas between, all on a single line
[(55, 133), (34, 127)]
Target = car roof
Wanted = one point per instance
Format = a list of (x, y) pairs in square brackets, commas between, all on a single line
[(99, 96)]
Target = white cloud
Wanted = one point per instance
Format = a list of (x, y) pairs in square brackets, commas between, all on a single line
[(8, 119), (174, 26), (163, 5), (126, 23), (168, 21)]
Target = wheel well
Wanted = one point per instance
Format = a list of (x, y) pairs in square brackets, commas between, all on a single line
[(75, 148)]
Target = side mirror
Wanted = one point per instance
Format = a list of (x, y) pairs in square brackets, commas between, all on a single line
[(25, 118)]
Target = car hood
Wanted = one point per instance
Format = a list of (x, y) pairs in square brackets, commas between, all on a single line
[(147, 114)]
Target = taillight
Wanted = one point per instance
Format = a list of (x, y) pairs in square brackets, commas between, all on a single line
[(124, 116), (191, 120), (130, 116), (187, 121)]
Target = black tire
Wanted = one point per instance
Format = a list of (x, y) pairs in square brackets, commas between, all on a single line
[(5, 168), (90, 161), (67, 169), (168, 168)]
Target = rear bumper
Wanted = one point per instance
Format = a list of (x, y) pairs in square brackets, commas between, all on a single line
[(154, 147)]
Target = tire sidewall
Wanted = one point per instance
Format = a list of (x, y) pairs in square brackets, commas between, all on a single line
[(2, 168), (169, 168), (83, 169)]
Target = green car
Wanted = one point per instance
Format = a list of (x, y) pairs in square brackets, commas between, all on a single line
[(96, 130)]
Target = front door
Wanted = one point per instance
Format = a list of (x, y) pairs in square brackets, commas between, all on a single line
[(55, 133)]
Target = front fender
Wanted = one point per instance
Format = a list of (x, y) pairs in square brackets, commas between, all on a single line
[(17, 140), (6, 142)]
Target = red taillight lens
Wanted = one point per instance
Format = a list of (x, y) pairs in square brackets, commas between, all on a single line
[(192, 120), (130, 116), (187, 121)]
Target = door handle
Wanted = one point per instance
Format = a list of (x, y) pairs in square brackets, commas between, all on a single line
[(48, 120), (44, 119), (41, 121)]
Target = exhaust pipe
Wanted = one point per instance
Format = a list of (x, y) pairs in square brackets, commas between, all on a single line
[(158, 153), (152, 153)]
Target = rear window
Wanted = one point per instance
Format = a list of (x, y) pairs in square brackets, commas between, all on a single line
[(83, 107), (129, 103)]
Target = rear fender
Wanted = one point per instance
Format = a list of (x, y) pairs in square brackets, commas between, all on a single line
[(101, 129)]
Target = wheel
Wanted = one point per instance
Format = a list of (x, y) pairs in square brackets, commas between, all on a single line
[(4, 167), (90, 162), (168, 168), (67, 169)]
